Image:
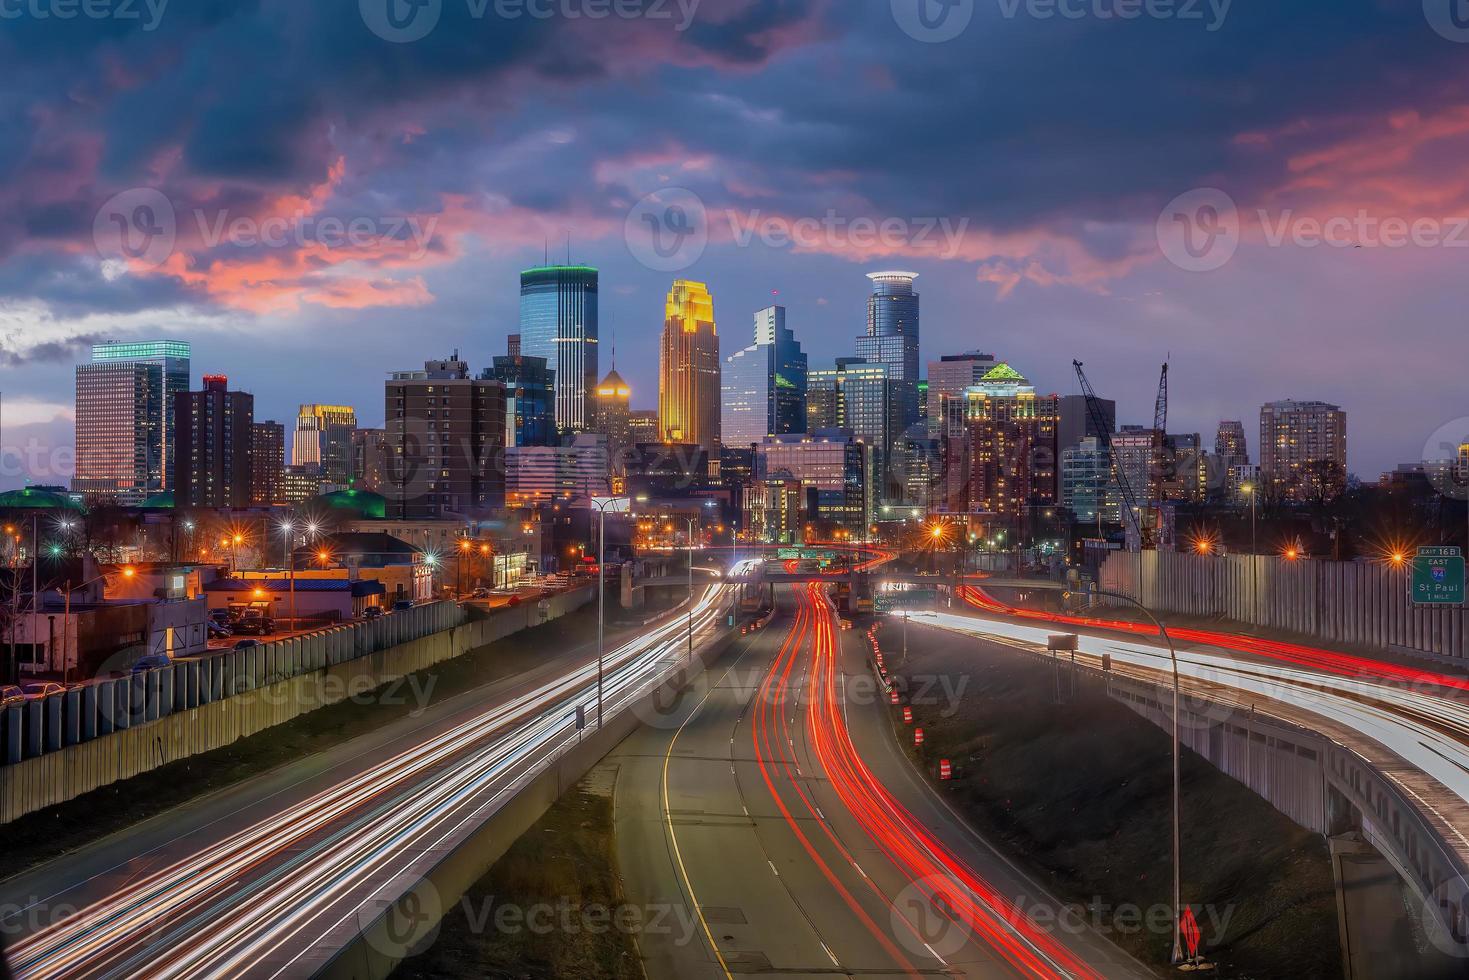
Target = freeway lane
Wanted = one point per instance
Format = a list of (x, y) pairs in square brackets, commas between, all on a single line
[(780, 801), (278, 895), (1387, 721)]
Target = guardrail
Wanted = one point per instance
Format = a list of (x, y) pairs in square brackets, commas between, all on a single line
[(104, 706)]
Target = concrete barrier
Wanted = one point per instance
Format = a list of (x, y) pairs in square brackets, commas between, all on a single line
[(136, 734)]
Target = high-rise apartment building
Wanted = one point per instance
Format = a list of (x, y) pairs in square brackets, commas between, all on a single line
[(1086, 476), (558, 322), (125, 427), (213, 463), (689, 370), (445, 443), (530, 399), (267, 462), (764, 385), (574, 472), (1303, 450), (892, 336), (1013, 455), (323, 438), (1230, 441), (369, 459)]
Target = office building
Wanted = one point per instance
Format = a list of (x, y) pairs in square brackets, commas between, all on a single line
[(213, 465), (323, 438), (892, 337), (667, 470), (764, 385), (1135, 450), (953, 374), (125, 428), (642, 426), (1077, 424), (558, 322), (301, 484), (866, 401), (1303, 450), (1086, 479), (612, 417), (574, 472), (830, 466), (530, 399), (689, 369), (369, 459), (775, 511), (119, 431), (823, 397), (1230, 441), (1186, 469), (267, 463), (445, 443)]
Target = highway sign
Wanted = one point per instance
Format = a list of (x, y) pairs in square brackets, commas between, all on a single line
[(906, 597), (1438, 577)]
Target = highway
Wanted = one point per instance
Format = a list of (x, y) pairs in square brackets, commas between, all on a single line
[(1415, 716), (277, 893), (779, 805)]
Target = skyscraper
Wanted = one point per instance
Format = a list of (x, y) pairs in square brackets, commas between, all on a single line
[(370, 459), (445, 443), (267, 462), (1303, 450), (863, 399), (952, 374), (1077, 423), (214, 463), (1230, 441), (689, 370), (764, 385), (558, 321), (892, 336), (137, 450), (1013, 454), (530, 399), (612, 416), (323, 438)]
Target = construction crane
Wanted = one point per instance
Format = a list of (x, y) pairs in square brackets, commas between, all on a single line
[(1162, 464), (1133, 513)]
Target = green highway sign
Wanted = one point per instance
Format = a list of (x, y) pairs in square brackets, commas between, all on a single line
[(1438, 577), (906, 597)]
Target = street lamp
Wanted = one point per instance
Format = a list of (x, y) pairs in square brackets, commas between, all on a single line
[(621, 503), (1249, 490), (288, 529), (66, 620)]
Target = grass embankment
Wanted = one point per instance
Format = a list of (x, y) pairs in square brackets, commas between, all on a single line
[(564, 867), (40, 836), (1080, 792)]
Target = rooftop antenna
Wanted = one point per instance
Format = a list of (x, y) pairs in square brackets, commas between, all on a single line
[(545, 252), (568, 248)]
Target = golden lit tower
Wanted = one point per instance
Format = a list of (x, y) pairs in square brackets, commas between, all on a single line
[(688, 369)]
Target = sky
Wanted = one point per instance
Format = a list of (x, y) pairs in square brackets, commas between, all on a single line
[(1271, 196)]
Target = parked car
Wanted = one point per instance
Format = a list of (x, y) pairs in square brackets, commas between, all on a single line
[(246, 644), (11, 694), (402, 604), (372, 612), (41, 689), (220, 617), (254, 624), (218, 631), (153, 661), (481, 593)]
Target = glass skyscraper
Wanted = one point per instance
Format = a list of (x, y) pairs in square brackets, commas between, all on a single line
[(892, 336), (558, 321), (125, 428), (530, 399), (764, 385)]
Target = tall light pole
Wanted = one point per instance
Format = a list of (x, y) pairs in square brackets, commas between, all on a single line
[(691, 521), (288, 531), (1249, 489), (621, 504)]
